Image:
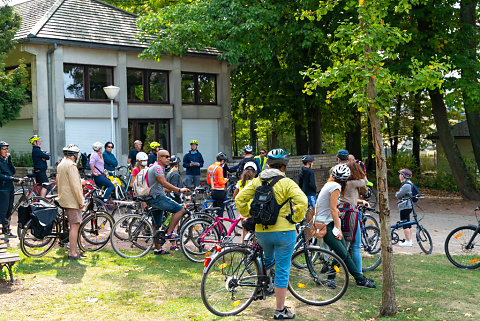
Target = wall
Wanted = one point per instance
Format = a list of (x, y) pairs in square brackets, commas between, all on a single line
[(465, 147)]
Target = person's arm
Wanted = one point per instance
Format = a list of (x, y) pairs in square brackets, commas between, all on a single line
[(300, 200), (113, 160), (300, 179), (93, 161), (220, 176), (312, 184), (335, 212), (163, 181), (75, 184), (235, 192), (186, 161), (201, 160), (404, 190)]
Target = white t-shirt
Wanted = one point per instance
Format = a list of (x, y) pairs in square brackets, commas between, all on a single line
[(322, 208)]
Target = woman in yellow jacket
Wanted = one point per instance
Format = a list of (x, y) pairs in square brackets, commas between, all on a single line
[(277, 240)]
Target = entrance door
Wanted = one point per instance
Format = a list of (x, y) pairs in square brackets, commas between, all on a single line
[(147, 131)]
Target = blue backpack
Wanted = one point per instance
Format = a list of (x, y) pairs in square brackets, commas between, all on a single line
[(414, 192)]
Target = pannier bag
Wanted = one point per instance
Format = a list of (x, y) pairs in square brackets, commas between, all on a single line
[(42, 220)]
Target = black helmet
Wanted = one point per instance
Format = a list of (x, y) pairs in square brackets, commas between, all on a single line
[(307, 158), (174, 160), (222, 156), (3, 143), (277, 156)]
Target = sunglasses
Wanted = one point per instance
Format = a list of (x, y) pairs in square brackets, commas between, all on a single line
[(165, 156), (4, 148), (109, 146)]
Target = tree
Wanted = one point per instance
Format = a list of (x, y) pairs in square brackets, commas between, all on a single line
[(13, 94)]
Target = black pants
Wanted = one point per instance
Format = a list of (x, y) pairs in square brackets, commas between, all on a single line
[(6, 205), (219, 196), (405, 216)]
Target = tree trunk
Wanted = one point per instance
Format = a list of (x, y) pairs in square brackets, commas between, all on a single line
[(234, 130), (370, 150), (253, 135), (301, 144), (417, 114), (315, 130), (452, 153), (396, 127), (353, 136)]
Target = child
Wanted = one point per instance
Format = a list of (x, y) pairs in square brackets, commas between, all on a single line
[(405, 204)]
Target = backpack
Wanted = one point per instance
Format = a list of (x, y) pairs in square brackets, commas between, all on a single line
[(414, 192), (264, 208), (141, 187)]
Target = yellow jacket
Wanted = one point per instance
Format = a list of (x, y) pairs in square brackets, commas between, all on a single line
[(70, 192), (283, 190)]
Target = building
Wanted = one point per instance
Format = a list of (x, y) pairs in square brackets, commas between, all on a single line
[(74, 48)]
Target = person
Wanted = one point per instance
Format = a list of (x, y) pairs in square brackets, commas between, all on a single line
[(326, 211), (70, 196), (152, 156), (261, 160), (137, 147), (97, 168), (193, 161), (7, 170), (248, 149), (39, 158), (217, 181), (174, 178), (352, 158), (248, 175), (109, 158), (405, 205), (342, 156), (277, 240), (160, 201), (306, 180), (142, 162), (356, 183)]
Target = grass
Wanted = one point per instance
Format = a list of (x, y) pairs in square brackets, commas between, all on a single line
[(107, 287)]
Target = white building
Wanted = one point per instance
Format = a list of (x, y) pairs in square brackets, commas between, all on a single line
[(74, 48)]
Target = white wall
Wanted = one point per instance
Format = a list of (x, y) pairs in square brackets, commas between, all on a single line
[(84, 132), (16, 133), (206, 132)]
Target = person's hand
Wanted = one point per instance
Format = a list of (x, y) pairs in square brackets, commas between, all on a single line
[(81, 206), (365, 203), (8, 155), (184, 190), (339, 236), (191, 164), (20, 181)]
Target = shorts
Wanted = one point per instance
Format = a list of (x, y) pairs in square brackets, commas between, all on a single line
[(41, 176), (74, 215), (405, 216), (164, 203)]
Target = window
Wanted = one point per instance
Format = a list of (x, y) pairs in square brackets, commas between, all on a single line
[(199, 88), (76, 78), (149, 130), (147, 86)]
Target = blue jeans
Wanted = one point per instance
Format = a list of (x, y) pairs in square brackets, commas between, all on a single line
[(278, 250), (356, 254), (192, 180), (102, 181)]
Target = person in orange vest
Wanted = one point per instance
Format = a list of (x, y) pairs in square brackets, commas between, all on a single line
[(217, 181)]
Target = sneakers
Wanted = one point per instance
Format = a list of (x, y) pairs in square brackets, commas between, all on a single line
[(365, 255), (10, 235), (174, 248), (160, 252), (284, 314), (405, 244), (173, 236), (366, 283)]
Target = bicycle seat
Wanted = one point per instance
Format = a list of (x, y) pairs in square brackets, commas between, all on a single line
[(213, 209), (31, 175), (48, 185), (144, 199), (49, 197)]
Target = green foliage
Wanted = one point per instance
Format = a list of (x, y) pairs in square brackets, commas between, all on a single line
[(22, 159)]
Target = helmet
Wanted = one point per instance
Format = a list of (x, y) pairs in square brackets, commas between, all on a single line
[(341, 172), (248, 149), (250, 165), (222, 156), (277, 156), (33, 139), (174, 160), (141, 156), (194, 141), (71, 149), (406, 173), (307, 158), (97, 146), (154, 145), (3, 143), (343, 154)]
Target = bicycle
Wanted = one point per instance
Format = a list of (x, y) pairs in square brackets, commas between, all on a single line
[(231, 185), (370, 239), (236, 275), (461, 245), (371, 196), (27, 193)]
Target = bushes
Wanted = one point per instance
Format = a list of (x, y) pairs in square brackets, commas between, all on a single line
[(22, 159)]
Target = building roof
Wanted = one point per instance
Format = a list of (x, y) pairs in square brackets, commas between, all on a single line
[(459, 130), (90, 22)]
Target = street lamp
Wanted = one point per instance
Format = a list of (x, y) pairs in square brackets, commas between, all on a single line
[(111, 92)]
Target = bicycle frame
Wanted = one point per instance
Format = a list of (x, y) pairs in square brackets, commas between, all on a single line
[(217, 223)]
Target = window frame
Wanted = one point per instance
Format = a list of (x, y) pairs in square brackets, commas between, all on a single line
[(86, 83), (196, 96), (146, 87)]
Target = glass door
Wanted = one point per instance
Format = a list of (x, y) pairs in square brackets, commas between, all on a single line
[(147, 131)]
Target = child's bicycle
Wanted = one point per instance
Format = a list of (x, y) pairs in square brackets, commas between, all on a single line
[(462, 245)]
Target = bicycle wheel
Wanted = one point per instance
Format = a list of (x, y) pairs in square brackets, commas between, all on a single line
[(371, 256), (424, 240), (132, 236), (230, 282), (462, 247), (190, 239), (35, 247), (323, 279), (370, 220), (94, 232)]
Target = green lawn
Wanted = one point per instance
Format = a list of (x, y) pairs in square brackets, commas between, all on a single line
[(107, 287)]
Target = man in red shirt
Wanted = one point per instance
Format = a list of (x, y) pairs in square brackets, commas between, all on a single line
[(217, 181)]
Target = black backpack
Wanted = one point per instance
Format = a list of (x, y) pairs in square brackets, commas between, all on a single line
[(265, 208)]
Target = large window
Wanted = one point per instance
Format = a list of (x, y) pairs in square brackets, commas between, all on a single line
[(147, 86), (86, 82), (149, 130), (199, 88)]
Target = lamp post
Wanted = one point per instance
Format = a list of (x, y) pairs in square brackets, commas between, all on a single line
[(112, 92)]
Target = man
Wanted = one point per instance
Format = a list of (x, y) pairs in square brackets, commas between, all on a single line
[(248, 149), (7, 170), (306, 180), (342, 156), (192, 161), (152, 156), (137, 147), (217, 181), (351, 158), (70, 196), (156, 175), (261, 160), (39, 158)]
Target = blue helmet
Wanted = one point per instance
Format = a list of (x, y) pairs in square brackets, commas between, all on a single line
[(307, 158), (277, 156), (343, 154)]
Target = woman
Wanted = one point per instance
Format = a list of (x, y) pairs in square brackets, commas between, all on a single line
[(248, 174), (97, 165), (348, 207), (109, 158), (142, 161), (326, 210)]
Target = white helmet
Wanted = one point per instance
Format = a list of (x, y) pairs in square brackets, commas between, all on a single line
[(250, 165), (141, 156), (97, 146), (341, 172), (71, 149)]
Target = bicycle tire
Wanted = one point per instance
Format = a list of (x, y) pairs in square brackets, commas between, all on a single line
[(457, 241), (370, 220), (132, 236), (230, 282), (94, 232), (424, 240), (34, 247), (323, 280), (372, 256), (190, 243)]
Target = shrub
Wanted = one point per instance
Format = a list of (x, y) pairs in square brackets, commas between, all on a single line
[(22, 159)]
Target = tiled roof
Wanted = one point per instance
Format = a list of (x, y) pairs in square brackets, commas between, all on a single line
[(459, 130)]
